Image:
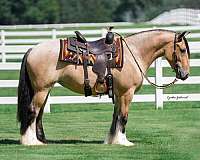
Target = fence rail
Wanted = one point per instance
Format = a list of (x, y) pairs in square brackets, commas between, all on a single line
[(14, 44)]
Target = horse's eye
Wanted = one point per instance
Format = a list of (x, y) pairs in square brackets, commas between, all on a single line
[(183, 50)]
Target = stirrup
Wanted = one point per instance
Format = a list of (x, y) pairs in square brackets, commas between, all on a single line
[(100, 88), (87, 88), (109, 81)]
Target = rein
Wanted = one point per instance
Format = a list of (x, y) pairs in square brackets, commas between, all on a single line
[(144, 75)]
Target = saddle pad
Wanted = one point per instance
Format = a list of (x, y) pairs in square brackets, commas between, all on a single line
[(74, 58)]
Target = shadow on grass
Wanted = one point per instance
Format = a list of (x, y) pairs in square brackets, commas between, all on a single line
[(73, 142), (12, 141), (9, 141), (62, 141), (80, 142)]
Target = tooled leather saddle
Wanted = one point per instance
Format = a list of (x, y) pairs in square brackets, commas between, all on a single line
[(102, 54)]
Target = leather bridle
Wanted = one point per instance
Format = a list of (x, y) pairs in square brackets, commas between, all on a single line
[(174, 56)]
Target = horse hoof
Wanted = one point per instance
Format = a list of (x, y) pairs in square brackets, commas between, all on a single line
[(38, 143), (128, 143), (32, 142), (120, 139)]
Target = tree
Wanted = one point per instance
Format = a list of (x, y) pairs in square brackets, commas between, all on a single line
[(6, 14), (45, 11), (137, 10), (69, 11), (29, 11), (87, 10)]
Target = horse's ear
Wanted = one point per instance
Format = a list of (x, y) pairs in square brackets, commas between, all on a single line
[(181, 35)]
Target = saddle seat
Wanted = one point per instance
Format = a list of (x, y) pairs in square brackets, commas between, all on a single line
[(94, 47), (99, 47)]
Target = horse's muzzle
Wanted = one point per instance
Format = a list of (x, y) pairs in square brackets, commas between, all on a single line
[(181, 74)]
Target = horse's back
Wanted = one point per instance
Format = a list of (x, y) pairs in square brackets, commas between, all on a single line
[(45, 49)]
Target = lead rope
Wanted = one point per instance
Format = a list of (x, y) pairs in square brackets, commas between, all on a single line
[(144, 75)]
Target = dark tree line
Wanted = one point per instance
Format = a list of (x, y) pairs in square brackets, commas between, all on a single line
[(69, 11)]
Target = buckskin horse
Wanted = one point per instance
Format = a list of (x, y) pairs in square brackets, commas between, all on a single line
[(41, 69)]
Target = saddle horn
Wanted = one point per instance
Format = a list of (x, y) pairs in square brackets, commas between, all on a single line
[(109, 36)]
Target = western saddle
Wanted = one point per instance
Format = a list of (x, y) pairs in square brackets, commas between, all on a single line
[(102, 52)]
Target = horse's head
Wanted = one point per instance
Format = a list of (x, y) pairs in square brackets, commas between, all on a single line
[(178, 55)]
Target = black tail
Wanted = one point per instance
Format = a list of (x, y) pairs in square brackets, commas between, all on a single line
[(25, 112)]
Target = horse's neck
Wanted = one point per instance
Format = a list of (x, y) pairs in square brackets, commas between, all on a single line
[(149, 46)]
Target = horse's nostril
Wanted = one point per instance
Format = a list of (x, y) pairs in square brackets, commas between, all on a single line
[(184, 76), (187, 75), (181, 74)]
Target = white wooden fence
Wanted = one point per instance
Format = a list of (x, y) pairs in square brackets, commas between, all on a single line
[(14, 47)]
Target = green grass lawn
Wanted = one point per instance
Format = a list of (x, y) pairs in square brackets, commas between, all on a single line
[(77, 132)]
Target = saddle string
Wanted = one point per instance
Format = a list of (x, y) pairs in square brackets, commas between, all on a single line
[(143, 74)]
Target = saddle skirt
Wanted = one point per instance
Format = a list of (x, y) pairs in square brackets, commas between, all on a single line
[(71, 51), (99, 55)]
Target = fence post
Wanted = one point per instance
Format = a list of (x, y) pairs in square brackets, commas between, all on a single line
[(54, 33), (3, 43), (158, 80)]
